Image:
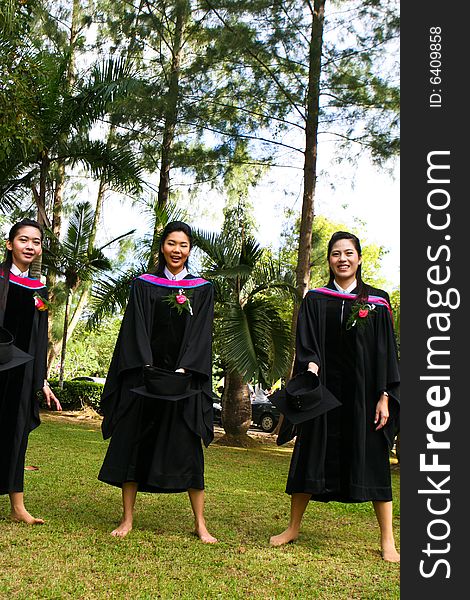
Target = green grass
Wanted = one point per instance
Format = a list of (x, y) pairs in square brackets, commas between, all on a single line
[(73, 556)]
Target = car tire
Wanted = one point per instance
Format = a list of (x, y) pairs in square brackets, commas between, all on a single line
[(267, 423)]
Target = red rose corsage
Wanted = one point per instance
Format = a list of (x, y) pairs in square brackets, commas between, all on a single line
[(360, 314), (180, 301), (40, 303)]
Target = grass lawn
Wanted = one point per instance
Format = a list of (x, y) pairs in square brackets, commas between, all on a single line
[(73, 556)]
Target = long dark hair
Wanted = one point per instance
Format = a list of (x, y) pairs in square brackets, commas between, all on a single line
[(170, 228), (5, 266), (362, 288)]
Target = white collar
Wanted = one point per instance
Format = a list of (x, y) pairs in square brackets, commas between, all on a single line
[(169, 275), (348, 290), (14, 269)]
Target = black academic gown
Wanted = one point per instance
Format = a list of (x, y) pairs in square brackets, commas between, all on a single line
[(339, 455), (19, 406), (157, 443)]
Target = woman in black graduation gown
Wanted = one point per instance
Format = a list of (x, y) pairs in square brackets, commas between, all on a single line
[(343, 455), (22, 313), (155, 444)]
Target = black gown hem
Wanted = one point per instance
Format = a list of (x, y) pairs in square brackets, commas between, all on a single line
[(12, 491), (197, 484), (356, 493)]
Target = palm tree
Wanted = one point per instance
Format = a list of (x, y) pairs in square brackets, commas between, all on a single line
[(76, 262), (251, 338), (61, 120)]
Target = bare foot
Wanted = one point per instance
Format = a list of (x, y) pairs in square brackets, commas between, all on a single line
[(23, 516), (389, 553), (205, 536), (285, 537), (122, 530)]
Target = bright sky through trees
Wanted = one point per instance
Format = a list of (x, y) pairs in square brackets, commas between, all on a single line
[(362, 197)]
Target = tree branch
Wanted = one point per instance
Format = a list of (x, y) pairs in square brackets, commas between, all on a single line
[(262, 63)]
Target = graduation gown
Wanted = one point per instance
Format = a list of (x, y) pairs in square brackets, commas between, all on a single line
[(157, 443), (19, 406), (339, 455)]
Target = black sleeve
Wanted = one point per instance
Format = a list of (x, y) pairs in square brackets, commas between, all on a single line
[(307, 348), (131, 353)]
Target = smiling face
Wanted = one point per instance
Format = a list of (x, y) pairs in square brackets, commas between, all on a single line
[(344, 261), (176, 249), (25, 247)]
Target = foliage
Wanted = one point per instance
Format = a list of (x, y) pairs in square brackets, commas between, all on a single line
[(250, 335), (18, 125), (226, 101), (77, 262), (359, 73), (201, 102), (53, 117), (71, 257), (241, 90), (240, 177), (337, 555), (89, 352), (322, 231), (395, 302), (243, 75), (76, 395)]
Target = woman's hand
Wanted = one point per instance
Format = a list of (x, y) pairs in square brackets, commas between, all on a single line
[(381, 412), (50, 397), (313, 367)]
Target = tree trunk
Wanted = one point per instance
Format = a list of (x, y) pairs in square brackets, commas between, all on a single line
[(53, 351), (40, 200), (58, 198), (51, 277), (64, 338), (56, 345), (310, 160), (236, 411), (171, 116)]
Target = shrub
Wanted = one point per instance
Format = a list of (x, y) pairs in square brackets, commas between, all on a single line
[(76, 395)]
